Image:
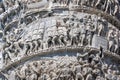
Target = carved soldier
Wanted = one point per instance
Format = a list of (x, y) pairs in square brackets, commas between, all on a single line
[(78, 72), (90, 32), (82, 57), (56, 40), (35, 42), (101, 28), (40, 45), (62, 39), (30, 74), (6, 57), (87, 71), (26, 48), (20, 72), (36, 68), (111, 40), (83, 34), (49, 41), (29, 47), (115, 8), (117, 40), (108, 7), (65, 73)]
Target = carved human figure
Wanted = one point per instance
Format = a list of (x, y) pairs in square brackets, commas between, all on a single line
[(90, 33), (62, 39), (65, 73), (78, 72), (33, 44), (109, 74), (18, 47), (6, 57), (75, 35), (116, 38), (68, 35), (100, 28), (83, 34), (21, 72), (111, 40), (86, 71), (108, 7), (27, 48), (38, 44), (2, 26), (56, 40), (82, 58), (97, 72), (36, 68), (116, 46), (49, 41), (74, 40), (116, 8), (30, 74)]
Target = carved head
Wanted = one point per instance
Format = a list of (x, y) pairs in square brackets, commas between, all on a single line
[(35, 63)]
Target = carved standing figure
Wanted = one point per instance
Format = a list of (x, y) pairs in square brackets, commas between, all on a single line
[(56, 40), (111, 45), (49, 41), (83, 34), (62, 39), (108, 7)]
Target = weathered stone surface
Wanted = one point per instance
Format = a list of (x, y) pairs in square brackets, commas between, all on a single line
[(30, 28), (98, 42)]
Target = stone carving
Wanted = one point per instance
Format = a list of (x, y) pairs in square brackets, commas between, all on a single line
[(25, 27), (76, 33), (93, 67), (110, 7)]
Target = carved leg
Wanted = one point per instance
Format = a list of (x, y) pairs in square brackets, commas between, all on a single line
[(82, 39), (27, 48), (116, 10), (116, 48)]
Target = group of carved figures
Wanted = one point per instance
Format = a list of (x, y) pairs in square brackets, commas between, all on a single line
[(81, 33), (84, 66), (109, 6), (10, 12), (114, 41), (77, 34)]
